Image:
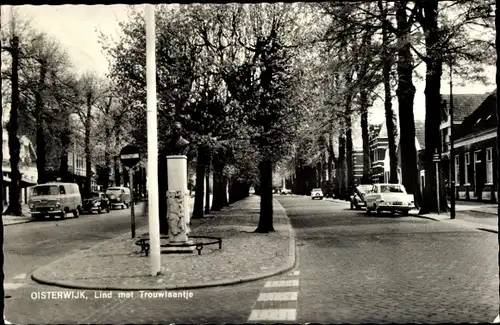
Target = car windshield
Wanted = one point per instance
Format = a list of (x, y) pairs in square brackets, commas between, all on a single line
[(92, 195), (114, 191), (45, 190), (391, 189), (364, 188)]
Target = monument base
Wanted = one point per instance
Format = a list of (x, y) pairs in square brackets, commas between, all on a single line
[(178, 247)]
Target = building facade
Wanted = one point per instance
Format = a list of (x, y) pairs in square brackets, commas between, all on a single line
[(357, 165), (475, 155)]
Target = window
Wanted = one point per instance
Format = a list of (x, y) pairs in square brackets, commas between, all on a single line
[(61, 190), (489, 165), (44, 190), (477, 158), (457, 170), (466, 168)]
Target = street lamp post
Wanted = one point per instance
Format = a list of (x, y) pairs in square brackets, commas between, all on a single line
[(452, 153), (153, 217)]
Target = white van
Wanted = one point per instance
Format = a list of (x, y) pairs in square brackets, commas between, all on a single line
[(55, 199)]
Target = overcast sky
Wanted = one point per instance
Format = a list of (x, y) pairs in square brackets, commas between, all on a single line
[(75, 26)]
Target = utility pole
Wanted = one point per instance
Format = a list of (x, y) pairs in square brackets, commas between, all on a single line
[(452, 151)]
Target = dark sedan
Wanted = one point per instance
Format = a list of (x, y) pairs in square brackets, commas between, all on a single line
[(96, 202)]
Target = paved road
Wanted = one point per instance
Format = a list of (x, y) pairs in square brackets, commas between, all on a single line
[(353, 268), (359, 268)]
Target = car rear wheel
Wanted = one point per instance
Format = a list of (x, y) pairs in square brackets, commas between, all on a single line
[(405, 212)]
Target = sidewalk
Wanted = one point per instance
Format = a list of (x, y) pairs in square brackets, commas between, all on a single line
[(118, 264), (14, 220), (471, 219)]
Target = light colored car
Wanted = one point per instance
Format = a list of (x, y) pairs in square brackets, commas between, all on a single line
[(285, 191), (119, 197), (317, 193), (55, 199), (389, 197)]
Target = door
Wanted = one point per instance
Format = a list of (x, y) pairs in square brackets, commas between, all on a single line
[(479, 172)]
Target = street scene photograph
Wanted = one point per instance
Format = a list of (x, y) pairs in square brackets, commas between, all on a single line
[(298, 162)]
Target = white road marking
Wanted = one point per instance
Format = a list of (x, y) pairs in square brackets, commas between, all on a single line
[(296, 273), (282, 283), (20, 276), (273, 315), (13, 286), (278, 296), (497, 320)]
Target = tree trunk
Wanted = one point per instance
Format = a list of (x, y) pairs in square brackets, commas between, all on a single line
[(342, 168), (266, 197), (88, 158), (432, 112), (349, 161), (389, 114), (200, 184), (162, 192), (207, 190), (406, 94), (219, 198), (117, 171), (365, 137), (40, 134), (107, 158), (14, 207)]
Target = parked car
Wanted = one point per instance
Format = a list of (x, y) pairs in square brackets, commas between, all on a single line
[(285, 191), (55, 199), (389, 197), (358, 198), (95, 202), (317, 193), (119, 197)]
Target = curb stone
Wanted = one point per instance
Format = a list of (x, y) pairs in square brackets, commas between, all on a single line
[(473, 225), (16, 223), (291, 261)]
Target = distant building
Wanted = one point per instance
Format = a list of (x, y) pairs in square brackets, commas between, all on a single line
[(475, 156), (27, 167), (357, 165)]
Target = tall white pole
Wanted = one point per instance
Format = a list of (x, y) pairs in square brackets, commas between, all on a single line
[(153, 216)]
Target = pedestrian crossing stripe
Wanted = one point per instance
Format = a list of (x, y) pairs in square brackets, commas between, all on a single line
[(20, 276), (278, 296), (13, 286), (277, 300), (282, 283), (273, 315)]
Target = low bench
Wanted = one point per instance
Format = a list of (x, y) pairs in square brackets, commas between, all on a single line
[(144, 243)]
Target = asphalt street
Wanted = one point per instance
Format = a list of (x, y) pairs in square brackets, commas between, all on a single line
[(353, 268)]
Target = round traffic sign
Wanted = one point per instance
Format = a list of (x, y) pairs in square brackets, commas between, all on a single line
[(130, 156)]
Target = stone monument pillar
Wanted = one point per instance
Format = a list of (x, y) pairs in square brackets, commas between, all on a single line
[(178, 205)]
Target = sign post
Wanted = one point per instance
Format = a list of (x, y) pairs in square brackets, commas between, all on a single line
[(130, 157), (437, 159)]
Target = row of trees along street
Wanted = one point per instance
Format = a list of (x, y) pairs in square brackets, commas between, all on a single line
[(264, 86), (46, 99), (373, 48)]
